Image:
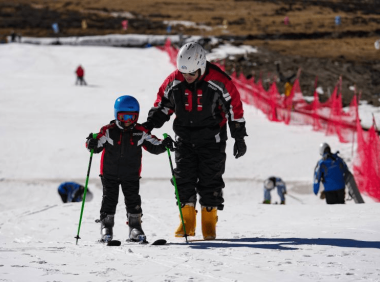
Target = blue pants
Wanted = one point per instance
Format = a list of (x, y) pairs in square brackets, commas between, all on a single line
[(280, 191)]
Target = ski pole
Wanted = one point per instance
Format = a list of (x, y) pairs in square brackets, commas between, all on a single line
[(85, 190), (176, 190)]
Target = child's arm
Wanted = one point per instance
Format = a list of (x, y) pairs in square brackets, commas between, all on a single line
[(97, 144), (152, 144)]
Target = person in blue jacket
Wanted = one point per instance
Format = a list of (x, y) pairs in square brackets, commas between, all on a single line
[(271, 183), (72, 192), (330, 170)]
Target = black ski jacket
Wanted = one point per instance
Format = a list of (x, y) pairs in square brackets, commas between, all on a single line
[(122, 153), (202, 108)]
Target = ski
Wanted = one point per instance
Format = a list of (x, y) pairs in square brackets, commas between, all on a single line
[(111, 243), (158, 242)]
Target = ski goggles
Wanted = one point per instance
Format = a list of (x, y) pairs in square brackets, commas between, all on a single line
[(127, 116), (190, 73)]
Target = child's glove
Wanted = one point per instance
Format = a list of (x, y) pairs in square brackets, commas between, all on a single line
[(91, 142), (169, 143)]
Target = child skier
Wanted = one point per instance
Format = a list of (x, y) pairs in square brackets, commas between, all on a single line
[(121, 142)]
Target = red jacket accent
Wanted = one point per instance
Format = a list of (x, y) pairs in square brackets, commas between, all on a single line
[(80, 72), (202, 108)]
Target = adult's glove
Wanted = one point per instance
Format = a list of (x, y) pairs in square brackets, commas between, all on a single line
[(239, 148), (323, 195), (168, 142), (148, 125), (91, 142)]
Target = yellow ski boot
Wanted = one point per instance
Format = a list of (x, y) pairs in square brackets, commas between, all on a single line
[(189, 218), (209, 220)]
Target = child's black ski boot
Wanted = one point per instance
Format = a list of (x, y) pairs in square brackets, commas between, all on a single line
[(136, 234), (106, 224)]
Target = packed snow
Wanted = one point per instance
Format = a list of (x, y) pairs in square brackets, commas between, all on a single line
[(44, 120)]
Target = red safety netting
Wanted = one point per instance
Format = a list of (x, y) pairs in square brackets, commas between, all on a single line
[(328, 117), (367, 165)]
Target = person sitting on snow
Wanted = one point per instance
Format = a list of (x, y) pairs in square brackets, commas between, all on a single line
[(73, 192), (330, 170), (271, 183), (121, 142)]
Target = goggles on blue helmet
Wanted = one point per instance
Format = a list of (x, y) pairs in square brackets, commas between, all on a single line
[(127, 117)]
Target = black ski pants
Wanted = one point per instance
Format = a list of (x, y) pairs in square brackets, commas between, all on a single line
[(199, 169), (110, 199), (335, 197)]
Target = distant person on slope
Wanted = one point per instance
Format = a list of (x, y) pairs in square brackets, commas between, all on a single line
[(80, 76), (73, 192), (287, 80), (204, 99), (330, 170), (121, 142), (271, 183)]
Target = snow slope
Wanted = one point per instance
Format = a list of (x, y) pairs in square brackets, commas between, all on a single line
[(44, 120)]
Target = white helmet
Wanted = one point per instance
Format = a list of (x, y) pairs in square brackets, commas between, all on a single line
[(324, 148), (191, 57)]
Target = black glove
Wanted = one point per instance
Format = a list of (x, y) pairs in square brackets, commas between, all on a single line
[(148, 125), (239, 148), (169, 143), (91, 142)]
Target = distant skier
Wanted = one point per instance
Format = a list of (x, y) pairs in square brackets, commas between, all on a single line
[(271, 183), (73, 192), (330, 170), (287, 80), (203, 99), (80, 76), (121, 142)]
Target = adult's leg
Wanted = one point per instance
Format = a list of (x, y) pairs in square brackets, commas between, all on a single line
[(212, 160), (186, 178), (331, 197), (341, 194), (280, 192), (186, 172), (267, 196)]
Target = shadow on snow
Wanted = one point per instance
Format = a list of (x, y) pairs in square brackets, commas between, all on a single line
[(279, 243)]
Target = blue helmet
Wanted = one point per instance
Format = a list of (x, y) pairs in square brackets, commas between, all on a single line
[(126, 104)]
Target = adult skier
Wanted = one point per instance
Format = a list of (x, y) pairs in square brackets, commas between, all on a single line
[(203, 99), (271, 183), (121, 142), (330, 170)]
